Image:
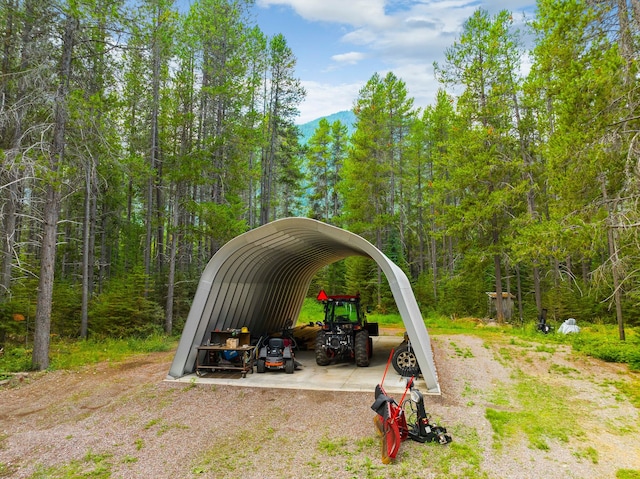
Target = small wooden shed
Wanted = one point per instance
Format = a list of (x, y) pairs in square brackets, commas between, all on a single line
[(507, 305)]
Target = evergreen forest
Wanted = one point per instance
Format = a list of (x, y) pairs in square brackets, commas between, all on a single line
[(136, 139)]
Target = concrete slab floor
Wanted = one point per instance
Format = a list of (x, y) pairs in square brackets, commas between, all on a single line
[(343, 376)]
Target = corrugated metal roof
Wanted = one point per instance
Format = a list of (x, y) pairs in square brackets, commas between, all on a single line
[(260, 279)]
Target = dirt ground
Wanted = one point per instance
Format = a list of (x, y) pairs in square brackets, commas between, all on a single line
[(124, 421)]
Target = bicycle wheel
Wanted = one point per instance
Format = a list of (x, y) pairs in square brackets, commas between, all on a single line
[(390, 441)]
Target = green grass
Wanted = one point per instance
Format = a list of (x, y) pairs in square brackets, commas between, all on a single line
[(627, 474), (534, 409), (73, 353), (589, 453), (630, 387), (162, 426), (600, 341), (462, 458), (241, 445), (463, 353), (97, 466), (563, 370), (334, 447), (313, 311)]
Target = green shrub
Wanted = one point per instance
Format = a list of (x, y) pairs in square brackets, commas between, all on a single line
[(120, 314), (14, 360)]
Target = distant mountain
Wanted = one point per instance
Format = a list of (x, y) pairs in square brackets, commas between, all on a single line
[(307, 129)]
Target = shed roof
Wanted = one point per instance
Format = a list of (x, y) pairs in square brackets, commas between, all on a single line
[(260, 279)]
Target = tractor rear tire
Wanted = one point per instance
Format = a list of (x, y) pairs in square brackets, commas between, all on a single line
[(321, 353), (260, 366), (362, 349)]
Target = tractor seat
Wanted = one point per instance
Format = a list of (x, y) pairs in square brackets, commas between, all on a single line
[(276, 343)]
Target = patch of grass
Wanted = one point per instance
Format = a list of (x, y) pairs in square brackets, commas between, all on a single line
[(564, 370), (163, 427), (545, 348), (67, 354), (505, 355), (517, 342), (6, 471), (630, 387), (90, 466), (439, 324), (334, 447), (390, 320), (312, 311), (600, 341), (627, 474), (152, 423), (192, 384), (535, 409), (462, 458), (463, 353), (589, 453), (240, 447), (472, 392), (139, 443), (365, 468), (73, 354)]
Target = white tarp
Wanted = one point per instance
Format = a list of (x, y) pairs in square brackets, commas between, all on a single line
[(569, 326)]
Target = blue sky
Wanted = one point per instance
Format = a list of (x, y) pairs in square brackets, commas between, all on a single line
[(340, 44)]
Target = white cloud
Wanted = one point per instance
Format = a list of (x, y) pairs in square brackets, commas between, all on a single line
[(403, 36), (350, 58), (324, 99), (352, 12)]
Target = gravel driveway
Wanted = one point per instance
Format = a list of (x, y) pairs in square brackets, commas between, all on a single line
[(124, 421)]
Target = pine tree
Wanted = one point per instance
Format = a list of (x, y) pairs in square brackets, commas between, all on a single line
[(487, 177)]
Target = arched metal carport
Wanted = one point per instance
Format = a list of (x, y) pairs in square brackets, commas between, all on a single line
[(260, 279)]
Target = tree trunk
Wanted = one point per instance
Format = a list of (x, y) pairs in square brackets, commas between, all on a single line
[(40, 358), (498, 269), (86, 253), (613, 257), (499, 306), (8, 237), (536, 289), (171, 278), (519, 294)]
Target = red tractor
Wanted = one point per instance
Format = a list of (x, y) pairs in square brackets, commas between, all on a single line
[(345, 333)]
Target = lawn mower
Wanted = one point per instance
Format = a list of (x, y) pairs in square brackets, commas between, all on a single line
[(277, 352)]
